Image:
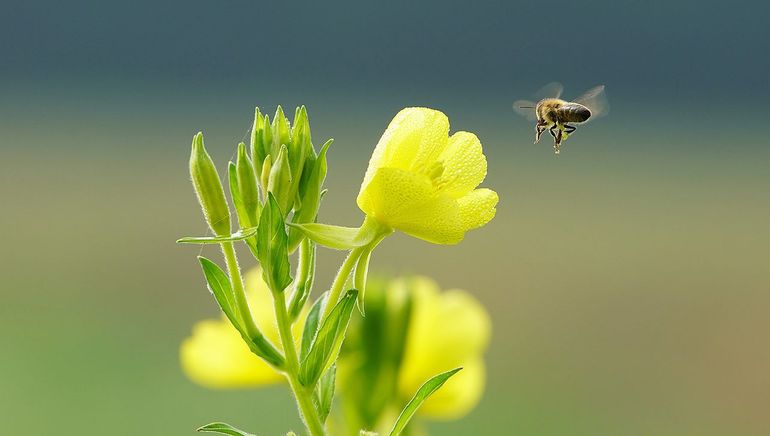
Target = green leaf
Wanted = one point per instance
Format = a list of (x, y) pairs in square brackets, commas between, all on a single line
[(272, 246), (223, 428), (237, 236), (324, 393), (359, 279), (304, 282), (328, 341), (219, 285), (425, 391), (338, 237), (311, 326)]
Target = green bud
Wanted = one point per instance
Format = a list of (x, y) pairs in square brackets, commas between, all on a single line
[(281, 135), (208, 187), (311, 197), (257, 134), (267, 138), (279, 181), (264, 177), (298, 148), (247, 185)]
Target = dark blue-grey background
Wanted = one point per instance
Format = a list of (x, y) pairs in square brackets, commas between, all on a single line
[(662, 50)]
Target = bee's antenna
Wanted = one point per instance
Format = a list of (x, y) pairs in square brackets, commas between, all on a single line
[(526, 107)]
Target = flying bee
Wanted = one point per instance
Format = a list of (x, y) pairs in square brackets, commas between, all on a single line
[(559, 116)]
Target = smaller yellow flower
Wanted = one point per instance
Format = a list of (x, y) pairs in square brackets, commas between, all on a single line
[(215, 355), (447, 330), (423, 182)]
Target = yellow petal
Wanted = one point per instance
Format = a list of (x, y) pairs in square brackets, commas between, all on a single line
[(477, 208), (409, 202), (464, 164), (447, 330), (412, 141), (215, 356)]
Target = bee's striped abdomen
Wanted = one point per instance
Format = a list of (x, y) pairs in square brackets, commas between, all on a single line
[(573, 113)]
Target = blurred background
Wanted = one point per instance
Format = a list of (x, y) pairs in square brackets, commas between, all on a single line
[(627, 279)]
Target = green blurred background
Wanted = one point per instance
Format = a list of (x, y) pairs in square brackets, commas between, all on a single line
[(627, 279)]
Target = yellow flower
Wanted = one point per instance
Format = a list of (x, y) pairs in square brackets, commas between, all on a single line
[(447, 330), (423, 182), (215, 356)]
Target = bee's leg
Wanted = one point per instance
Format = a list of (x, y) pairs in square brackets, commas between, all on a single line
[(552, 132), (556, 137), (539, 129)]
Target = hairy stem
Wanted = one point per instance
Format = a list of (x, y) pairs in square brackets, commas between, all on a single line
[(340, 279), (301, 393), (240, 295)]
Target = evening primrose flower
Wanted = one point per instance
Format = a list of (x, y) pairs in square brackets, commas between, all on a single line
[(447, 330), (215, 355), (423, 182)]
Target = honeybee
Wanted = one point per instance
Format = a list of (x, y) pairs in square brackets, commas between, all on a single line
[(559, 116)]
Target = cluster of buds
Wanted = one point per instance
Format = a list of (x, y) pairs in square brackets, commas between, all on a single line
[(281, 161)]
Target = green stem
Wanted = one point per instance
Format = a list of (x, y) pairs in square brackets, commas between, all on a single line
[(301, 393), (340, 279), (240, 295)]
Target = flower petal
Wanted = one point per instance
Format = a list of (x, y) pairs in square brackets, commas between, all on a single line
[(477, 208), (215, 356), (464, 164), (414, 138), (409, 202), (447, 330)]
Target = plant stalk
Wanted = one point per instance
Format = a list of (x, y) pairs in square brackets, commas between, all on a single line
[(301, 393)]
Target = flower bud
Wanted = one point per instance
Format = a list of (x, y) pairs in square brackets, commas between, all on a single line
[(300, 134), (247, 185), (264, 177), (281, 135), (310, 195), (208, 187), (258, 152), (279, 182)]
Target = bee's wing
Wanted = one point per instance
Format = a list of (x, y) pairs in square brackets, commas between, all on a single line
[(526, 109), (595, 99), (551, 90)]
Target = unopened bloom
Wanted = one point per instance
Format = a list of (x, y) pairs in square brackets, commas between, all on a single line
[(215, 355), (423, 182)]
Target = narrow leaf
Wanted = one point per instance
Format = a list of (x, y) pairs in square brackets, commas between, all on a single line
[(237, 236), (337, 237), (223, 428), (311, 326), (306, 275), (219, 285), (328, 341), (272, 246), (324, 393), (359, 279), (425, 391)]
